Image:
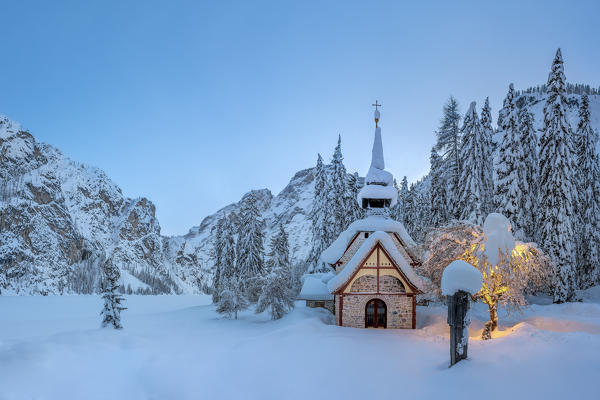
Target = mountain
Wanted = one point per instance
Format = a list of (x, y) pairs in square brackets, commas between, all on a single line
[(60, 218)]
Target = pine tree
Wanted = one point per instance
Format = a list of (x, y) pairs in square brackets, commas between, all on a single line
[(277, 295), (448, 144), (250, 247), (473, 154), (227, 264), (218, 244), (279, 254), (439, 209), (337, 192), (353, 187), (588, 184), (113, 300), (318, 217), (510, 170), (232, 299), (528, 140), (487, 133), (403, 200), (557, 194)]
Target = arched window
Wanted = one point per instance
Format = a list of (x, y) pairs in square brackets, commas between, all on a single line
[(375, 314)]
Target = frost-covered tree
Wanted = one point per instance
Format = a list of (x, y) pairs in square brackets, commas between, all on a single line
[(557, 195), (524, 270), (588, 184), (250, 247), (473, 154), (510, 170), (318, 217), (448, 145), (113, 300), (218, 243), (403, 199), (227, 263), (487, 132), (279, 253), (277, 294), (353, 187), (232, 298), (338, 200), (439, 209), (526, 218)]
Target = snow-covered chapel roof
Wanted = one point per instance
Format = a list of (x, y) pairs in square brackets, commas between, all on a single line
[(363, 251), (369, 224), (315, 287)]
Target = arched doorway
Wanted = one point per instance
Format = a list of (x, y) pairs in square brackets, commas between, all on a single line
[(375, 314)]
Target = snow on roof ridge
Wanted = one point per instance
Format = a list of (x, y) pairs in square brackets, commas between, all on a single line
[(369, 224), (386, 241)]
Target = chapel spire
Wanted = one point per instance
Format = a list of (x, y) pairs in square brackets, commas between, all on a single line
[(379, 193)]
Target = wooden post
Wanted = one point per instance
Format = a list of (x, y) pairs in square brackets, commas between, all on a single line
[(458, 306)]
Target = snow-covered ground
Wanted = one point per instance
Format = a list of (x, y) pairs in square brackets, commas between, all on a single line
[(177, 347)]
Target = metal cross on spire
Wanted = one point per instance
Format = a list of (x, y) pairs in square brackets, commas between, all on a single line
[(376, 105)]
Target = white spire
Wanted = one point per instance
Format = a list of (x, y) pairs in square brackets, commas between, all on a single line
[(379, 192)]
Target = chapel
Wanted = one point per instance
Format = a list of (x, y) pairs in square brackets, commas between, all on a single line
[(373, 284)]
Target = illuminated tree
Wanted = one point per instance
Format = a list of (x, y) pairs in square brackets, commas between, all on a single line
[(520, 271)]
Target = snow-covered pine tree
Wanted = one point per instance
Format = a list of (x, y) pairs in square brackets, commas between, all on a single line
[(588, 184), (403, 199), (448, 145), (510, 170), (279, 253), (473, 154), (276, 295), (250, 247), (356, 212), (396, 211), (217, 254), (528, 139), (337, 191), (113, 300), (318, 217), (487, 132), (439, 209), (232, 298), (557, 194), (279, 289), (227, 265)]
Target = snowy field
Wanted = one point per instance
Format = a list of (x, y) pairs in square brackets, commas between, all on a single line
[(177, 347)]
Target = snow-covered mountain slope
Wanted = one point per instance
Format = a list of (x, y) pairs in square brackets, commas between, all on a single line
[(58, 218), (290, 207)]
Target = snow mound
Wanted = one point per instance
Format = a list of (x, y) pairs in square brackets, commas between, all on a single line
[(315, 287), (370, 224), (499, 239), (460, 275), (386, 241)]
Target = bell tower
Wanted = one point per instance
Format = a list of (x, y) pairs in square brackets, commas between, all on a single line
[(379, 193)]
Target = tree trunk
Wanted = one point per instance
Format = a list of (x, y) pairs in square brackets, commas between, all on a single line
[(492, 324)]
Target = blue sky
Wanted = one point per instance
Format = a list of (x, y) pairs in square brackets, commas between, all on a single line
[(192, 104)]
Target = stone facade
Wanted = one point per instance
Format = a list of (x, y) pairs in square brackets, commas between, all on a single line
[(399, 310), (390, 284), (365, 284), (326, 304)]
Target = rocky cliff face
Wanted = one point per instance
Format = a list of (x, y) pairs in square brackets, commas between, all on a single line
[(58, 218)]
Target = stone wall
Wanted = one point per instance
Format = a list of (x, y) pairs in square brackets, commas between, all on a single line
[(399, 310), (326, 304), (365, 284), (390, 284)]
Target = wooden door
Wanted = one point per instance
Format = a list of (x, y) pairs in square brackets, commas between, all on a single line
[(375, 314)]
